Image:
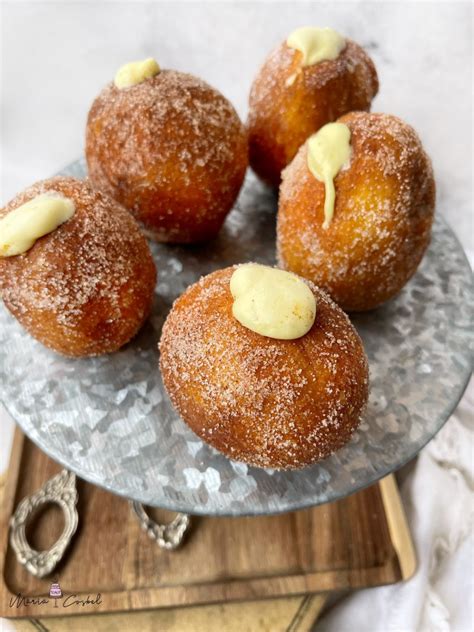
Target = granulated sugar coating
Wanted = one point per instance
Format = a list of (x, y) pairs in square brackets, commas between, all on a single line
[(382, 217), (288, 103), (86, 288), (270, 403), (172, 150)]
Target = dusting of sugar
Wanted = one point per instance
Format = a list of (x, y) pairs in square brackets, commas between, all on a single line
[(283, 58), (288, 103), (86, 288), (270, 403), (169, 148), (382, 222)]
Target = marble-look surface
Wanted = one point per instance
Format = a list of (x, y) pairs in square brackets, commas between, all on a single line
[(57, 56)]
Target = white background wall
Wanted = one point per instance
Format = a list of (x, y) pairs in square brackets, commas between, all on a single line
[(58, 55)]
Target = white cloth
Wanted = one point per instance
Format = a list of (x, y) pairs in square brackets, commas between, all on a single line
[(56, 58), (438, 498)]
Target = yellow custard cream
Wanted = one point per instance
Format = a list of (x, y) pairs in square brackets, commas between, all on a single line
[(136, 72), (20, 229), (272, 302), (329, 150), (316, 44)]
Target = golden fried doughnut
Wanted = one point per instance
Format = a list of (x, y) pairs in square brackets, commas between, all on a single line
[(289, 102), (86, 288), (172, 150), (383, 213), (268, 402)]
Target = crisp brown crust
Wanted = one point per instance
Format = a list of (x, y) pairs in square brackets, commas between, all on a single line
[(270, 403), (86, 288), (288, 103), (172, 150), (382, 217)]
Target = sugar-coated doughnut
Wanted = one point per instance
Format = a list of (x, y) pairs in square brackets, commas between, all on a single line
[(85, 288), (265, 401), (172, 150), (383, 212), (290, 101)]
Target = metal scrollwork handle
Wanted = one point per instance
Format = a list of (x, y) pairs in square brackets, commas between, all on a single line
[(167, 536), (61, 489)]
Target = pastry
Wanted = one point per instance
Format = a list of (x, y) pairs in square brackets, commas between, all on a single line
[(358, 228), (170, 148), (264, 367), (75, 269), (312, 78)]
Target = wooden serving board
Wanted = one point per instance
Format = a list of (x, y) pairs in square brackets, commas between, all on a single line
[(362, 540)]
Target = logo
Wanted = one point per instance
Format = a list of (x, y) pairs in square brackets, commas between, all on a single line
[(55, 592)]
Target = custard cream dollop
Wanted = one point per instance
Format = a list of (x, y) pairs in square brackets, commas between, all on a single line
[(20, 228), (136, 72), (316, 44), (329, 150), (272, 302)]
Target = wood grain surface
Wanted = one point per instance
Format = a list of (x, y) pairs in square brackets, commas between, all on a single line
[(338, 546)]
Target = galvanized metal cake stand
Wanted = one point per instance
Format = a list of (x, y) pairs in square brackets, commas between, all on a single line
[(109, 420)]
